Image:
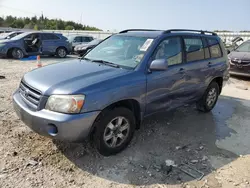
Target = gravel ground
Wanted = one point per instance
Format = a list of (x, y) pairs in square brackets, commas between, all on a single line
[(216, 144)]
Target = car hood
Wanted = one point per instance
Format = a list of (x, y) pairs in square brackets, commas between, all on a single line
[(70, 77), (244, 56), (7, 41)]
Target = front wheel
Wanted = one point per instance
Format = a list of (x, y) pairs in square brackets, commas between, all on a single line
[(114, 131), (209, 99), (61, 52), (17, 53)]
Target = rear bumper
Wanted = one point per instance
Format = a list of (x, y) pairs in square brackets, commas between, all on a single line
[(69, 127)]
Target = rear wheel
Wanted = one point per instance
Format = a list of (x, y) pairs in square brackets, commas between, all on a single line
[(61, 52), (209, 98), (114, 131), (17, 53)]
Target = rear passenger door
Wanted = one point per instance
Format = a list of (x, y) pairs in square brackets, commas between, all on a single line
[(216, 62), (197, 66), (49, 43)]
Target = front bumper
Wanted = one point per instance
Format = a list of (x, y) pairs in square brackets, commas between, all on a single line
[(69, 127), (239, 73), (240, 69)]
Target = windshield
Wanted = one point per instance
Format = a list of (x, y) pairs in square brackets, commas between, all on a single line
[(244, 47), (125, 51), (19, 36)]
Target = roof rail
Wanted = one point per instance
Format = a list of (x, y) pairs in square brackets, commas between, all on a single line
[(127, 30), (190, 30)]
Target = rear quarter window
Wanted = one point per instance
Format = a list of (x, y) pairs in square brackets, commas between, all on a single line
[(214, 48)]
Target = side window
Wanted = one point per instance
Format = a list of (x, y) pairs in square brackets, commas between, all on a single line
[(171, 50), (78, 39), (194, 49), (214, 48), (48, 36), (206, 48), (86, 39), (54, 37)]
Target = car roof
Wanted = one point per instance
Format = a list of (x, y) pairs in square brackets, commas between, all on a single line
[(148, 34), (156, 33), (79, 35)]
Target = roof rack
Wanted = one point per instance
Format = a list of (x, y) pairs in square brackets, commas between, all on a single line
[(190, 30), (127, 30)]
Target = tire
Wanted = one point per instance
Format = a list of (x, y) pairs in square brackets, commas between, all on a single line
[(209, 98), (61, 52), (17, 53), (108, 139)]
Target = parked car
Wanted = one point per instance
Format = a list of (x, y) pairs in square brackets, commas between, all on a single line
[(240, 60), (233, 44), (10, 35), (83, 48), (35, 43), (107, 94), (79, 39)]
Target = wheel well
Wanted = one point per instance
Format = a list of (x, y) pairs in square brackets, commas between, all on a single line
[(219, 81), (9, 52), (62, 47), (131, 104)]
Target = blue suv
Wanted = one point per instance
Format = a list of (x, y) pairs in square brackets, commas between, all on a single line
[(130, 75), (35, 43)]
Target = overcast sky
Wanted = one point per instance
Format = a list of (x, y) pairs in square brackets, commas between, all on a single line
[(122, 14)]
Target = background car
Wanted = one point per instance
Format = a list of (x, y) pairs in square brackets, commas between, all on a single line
[(83, 48), (233, 44), (240, 60), (35, 43), (10, 35), (79, 39)]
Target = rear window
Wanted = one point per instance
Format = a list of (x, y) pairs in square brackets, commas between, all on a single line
[(214, 48), (194, 49), (49, 36)]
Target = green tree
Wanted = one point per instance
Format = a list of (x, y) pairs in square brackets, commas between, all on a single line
[(69, 27), (36, 27), (29, 26), (42, 22), (34, 19), (1, 21)]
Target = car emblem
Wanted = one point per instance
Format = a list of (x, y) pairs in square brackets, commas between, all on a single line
[(239, 61), (26, 93)]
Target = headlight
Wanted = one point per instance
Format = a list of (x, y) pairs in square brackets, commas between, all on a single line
[(71, 104)]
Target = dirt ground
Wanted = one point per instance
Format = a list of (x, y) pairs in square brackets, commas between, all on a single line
[(217, 144)]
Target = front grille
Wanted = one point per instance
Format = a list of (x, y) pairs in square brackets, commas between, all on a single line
[(30, 95), (243, 62)]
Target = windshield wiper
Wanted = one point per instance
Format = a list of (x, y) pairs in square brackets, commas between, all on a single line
[(106, 63), (84, 58)]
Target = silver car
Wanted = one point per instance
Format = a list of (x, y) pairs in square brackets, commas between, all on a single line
[(79, 39)]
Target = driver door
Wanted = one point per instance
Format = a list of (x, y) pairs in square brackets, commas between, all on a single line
[(165, 88), (28, 44)]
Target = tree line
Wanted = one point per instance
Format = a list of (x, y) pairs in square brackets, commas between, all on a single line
[(40, 23)]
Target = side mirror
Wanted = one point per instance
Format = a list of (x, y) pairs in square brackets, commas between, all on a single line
[(159, 65)]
